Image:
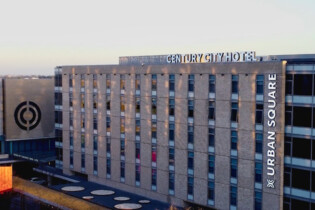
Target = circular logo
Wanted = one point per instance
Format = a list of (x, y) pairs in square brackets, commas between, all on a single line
[(27, 115)]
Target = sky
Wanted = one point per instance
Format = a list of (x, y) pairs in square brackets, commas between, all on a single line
[(36, 35)]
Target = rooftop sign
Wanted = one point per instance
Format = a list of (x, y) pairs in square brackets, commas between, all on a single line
[(247, 56)]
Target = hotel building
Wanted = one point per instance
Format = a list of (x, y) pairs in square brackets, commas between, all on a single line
[(223, 131)]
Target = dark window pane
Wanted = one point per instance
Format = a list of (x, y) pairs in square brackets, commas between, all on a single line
[(302, 116), (303, 84), (300, 179), (287, 146), (288, 115), (298, 204), (301, 148)]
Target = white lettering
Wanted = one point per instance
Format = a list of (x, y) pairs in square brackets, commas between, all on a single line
[(249, 56), (271, 122)]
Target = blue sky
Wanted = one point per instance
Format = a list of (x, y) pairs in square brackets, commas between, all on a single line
[(36, 36)]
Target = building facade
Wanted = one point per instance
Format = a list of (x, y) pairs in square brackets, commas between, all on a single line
[(205, 134), (26, 117)]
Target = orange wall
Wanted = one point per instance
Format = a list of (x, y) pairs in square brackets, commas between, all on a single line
[(5, 178)]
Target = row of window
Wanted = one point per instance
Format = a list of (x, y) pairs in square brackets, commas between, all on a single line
[(191, 77)]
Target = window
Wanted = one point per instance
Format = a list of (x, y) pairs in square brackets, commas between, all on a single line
[(303, 84), (299, 204), (94, 81), (190, 108), (107, 124), (211, 115), (313, 181), (301, 148), (58, 98), (138, 170), (70, 119), (95, 142), (153, 155), (258, 172), (258, 199), (122, 82), (108, 105), (137, 84), (82, 140), (95, 163), (70, 99), (108, 81), (211, 190), (211, 137), (191, 82), (171, 131), (259, 84), (82, 120), (287, 176), (138, 105), (259, 139), (234, 116), (122, 147), (211, 164), (211, 83), (95, 122), (190, 185), (82, 97), (122, 169), (153, 105), (122, 103), (289, 84), (171, 181), (82, 80), (259, 113), (137, 150), (301, 179), (82, 160), (171, 82), (70, 80), (171, 107), (108, 144), (153, 177), (288, 115), (171, 156), (122, 125), (234, 140), (58, 117), (58, 80), (71, 157), (302, 116), (191, 160), (235, 84), (71, 138), (153, 130), (138, 127), (190, 134), (154, 82), (233, 167), (108, 166), (94, 101), (233, 195)]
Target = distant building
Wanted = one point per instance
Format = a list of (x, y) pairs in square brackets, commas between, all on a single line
[(200, 129), (27, 118)]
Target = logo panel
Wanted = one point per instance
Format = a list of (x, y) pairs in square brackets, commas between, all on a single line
[(27, 115)]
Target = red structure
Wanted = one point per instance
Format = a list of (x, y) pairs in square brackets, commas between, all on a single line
[(5, 178)]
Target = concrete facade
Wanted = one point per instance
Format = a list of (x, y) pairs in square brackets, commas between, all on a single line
[(246, 98)]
